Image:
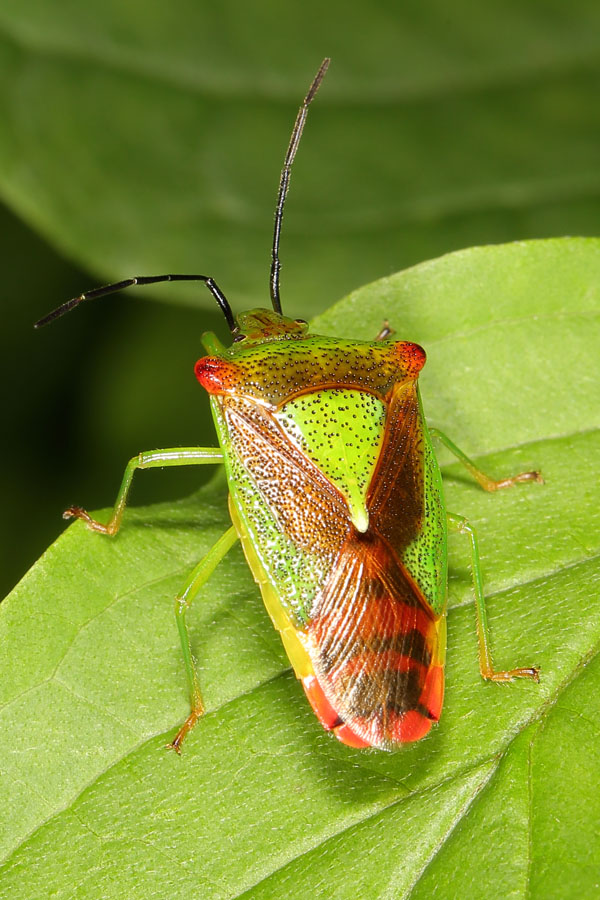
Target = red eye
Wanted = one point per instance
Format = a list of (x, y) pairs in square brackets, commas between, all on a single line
[(412, 355), (215, 375)]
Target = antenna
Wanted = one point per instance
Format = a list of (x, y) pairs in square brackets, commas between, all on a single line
[(143, 279), (207, 280), (284, 182)]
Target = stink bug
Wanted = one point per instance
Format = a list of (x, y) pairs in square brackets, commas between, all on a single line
[(336, 496)]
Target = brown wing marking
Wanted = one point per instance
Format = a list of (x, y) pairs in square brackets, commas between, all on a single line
[(375, 646), (308, 510), (396, 501)]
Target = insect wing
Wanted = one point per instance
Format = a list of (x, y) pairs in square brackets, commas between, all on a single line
[(294, 517), (376, 643)]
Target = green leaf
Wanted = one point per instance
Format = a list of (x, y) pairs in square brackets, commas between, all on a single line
[(142, 137), (500, 800)]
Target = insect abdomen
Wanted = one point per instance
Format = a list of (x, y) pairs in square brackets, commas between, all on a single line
[(377, 650)]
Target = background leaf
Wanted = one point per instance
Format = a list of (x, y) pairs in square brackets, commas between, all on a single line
[(177, 152), (139, 137), (500, 800)]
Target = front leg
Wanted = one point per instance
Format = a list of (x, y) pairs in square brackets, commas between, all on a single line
[(151, 459)]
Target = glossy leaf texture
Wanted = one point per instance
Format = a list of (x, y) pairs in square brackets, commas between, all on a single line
[(500, 800)]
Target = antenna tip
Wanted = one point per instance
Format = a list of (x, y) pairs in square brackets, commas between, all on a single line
[(317, 80), (43, 321), (57, 313)]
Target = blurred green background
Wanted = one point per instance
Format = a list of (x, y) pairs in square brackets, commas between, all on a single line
[(144, 137)]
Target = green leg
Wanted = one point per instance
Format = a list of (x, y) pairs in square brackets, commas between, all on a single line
[(486, 666), (487, 483), (151, 459), (183, 601)]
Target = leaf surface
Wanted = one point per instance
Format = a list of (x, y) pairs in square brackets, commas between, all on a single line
[(499, 800)]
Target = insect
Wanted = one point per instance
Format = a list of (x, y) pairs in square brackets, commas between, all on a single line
[(336, 497)]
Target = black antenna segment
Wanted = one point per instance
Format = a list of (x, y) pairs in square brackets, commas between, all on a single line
[(143, 279), (284, 182), (210, 283)]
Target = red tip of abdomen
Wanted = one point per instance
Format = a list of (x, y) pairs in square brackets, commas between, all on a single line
[(323, 709), (401, 728), (432, 696), (327, 715)]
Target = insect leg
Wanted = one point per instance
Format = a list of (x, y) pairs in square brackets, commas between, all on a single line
[(486, 666), (183, 601), (385, 331), (151, 459), (487, 483)]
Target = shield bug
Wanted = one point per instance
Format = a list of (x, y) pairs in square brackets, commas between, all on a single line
[(336, 497)]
